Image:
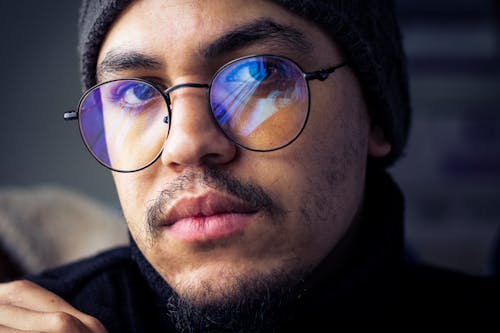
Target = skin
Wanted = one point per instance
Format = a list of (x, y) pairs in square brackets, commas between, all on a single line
[(137, 133), (321, 192), (26, 307), (324, 168)]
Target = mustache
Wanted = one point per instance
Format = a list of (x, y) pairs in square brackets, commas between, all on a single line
[(213, 178)]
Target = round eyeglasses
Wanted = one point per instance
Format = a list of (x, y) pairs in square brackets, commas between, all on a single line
[(261, 103)]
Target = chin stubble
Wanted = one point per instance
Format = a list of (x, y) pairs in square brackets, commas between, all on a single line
[(250, 305)]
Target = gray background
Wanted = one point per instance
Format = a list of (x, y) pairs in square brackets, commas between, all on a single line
[(451, 174)]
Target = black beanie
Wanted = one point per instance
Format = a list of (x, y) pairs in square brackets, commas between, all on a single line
[(366, 30)]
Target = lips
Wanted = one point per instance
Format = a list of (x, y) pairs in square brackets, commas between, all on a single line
[(210, 216)]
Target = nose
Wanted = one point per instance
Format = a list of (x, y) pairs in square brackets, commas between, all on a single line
[(194, 139)]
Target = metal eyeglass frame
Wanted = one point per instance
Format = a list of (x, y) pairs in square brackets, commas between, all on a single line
[(320, 75)]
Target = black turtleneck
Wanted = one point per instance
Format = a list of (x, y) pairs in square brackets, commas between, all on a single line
[(363, 278)]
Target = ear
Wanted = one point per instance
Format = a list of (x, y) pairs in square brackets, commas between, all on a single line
[(378, 146)]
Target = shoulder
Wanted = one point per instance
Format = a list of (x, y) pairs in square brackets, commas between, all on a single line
[(72, 279), (446, 280), (432, 292), (108, 286)]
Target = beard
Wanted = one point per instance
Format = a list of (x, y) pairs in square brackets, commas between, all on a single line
[(251, 305), (255, 302), (244, 303)]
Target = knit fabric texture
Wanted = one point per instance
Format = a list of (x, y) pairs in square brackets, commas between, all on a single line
[(366, 31)]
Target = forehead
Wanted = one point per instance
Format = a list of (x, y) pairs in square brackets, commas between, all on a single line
[(176, 28)]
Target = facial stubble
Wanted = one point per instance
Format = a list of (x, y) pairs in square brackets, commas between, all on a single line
[(242, 302), (255, 302)]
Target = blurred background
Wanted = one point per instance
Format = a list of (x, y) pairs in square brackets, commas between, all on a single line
[(451, 174)]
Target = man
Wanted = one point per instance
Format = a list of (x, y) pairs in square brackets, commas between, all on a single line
[(248, 142)]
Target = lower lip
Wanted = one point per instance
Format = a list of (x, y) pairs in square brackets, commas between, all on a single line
[(209, 228)]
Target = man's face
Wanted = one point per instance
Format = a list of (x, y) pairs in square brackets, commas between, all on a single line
[(210, 216)]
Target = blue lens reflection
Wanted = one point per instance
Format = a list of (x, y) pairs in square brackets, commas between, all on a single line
[(249, 96)]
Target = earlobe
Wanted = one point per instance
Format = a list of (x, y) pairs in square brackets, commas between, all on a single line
[(378, 146)]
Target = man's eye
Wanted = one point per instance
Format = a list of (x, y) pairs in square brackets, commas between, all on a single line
[(254, 71), (133, 94)]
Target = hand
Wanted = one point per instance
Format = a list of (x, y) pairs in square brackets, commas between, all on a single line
[(27, 307)]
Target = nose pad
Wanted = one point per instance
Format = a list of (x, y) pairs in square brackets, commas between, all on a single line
[(194, 138)]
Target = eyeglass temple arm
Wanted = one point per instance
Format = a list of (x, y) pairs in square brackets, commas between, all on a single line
[(322, 74), (70, 115)]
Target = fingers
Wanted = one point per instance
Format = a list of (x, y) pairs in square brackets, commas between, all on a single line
[(28, 307), (4, 329), (28, 295), (23, 319), (19, 318)]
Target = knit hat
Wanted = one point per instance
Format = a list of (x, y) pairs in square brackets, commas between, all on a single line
[(367, 32)]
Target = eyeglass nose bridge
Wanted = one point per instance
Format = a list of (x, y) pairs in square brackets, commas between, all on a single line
[(178, 86)]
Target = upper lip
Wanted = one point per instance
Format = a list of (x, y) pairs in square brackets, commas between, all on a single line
[(207, 204)]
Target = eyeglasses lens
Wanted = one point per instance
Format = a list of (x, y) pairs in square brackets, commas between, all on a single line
[(260, 102), (122, 123)]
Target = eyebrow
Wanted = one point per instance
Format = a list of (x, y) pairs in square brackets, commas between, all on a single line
[(264, 31), (117, 60)]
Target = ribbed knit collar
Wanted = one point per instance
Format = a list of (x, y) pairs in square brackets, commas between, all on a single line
[(365, 281)]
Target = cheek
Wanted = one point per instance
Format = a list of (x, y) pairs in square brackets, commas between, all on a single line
[(324, 180), (338, 129), (134, 192)]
